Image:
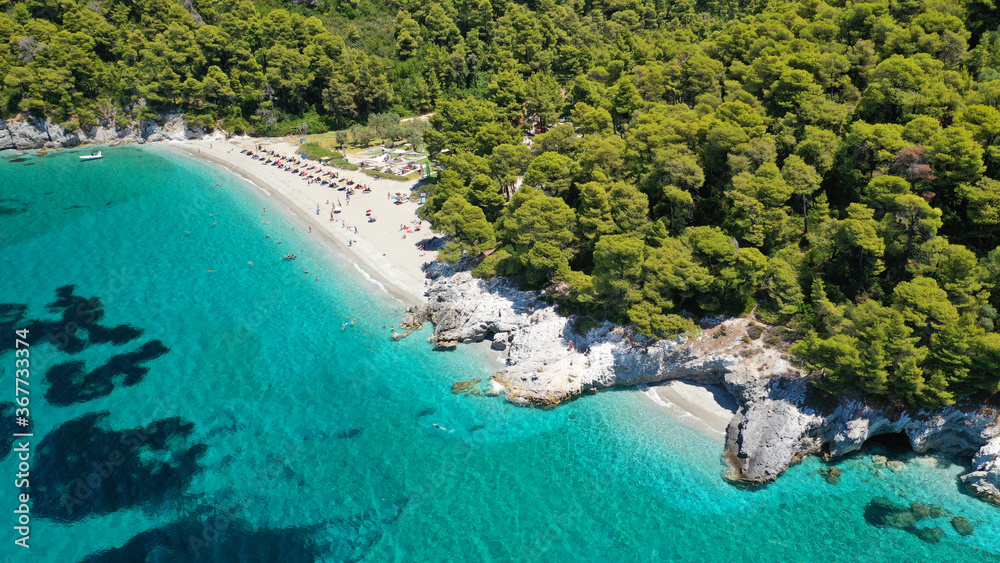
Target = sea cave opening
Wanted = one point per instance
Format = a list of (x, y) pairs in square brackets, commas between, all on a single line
[(892, 443)]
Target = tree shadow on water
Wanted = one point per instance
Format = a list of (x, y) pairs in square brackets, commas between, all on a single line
[(70, 384), (77, 315), (217, 535), (236, 541), (89, 470)]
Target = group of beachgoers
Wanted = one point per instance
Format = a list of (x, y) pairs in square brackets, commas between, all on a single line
[(312, 174), (319, 173), (414, 226)]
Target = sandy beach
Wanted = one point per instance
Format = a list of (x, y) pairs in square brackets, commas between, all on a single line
[(388, 254), (394, 262), (705, 409)]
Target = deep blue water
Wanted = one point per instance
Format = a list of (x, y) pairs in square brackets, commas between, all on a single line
[(207, 409)]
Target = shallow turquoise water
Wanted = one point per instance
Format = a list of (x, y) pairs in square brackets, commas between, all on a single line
[(320, 442)]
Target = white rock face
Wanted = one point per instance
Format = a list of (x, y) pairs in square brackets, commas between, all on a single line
[(23, 133), (779, 420)]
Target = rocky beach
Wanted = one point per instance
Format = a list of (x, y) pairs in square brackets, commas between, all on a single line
[(780, 419)]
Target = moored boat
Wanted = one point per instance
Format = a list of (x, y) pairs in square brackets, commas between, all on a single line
[(92, 156)]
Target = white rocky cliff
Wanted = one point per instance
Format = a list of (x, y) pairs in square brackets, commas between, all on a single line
[(33, 133), (781, 417)]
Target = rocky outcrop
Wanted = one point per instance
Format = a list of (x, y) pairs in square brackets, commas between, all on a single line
[(32, 133), (984, 479), (781, 417)]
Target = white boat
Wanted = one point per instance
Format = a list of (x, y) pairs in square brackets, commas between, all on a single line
[(337, 209), (92, 156)]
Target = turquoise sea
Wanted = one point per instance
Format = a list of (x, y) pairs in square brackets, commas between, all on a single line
[(206, 409)]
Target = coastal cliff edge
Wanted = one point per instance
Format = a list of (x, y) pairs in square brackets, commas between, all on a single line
[(781, 417)]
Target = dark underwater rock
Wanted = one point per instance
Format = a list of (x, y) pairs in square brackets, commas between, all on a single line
[(962, 525), (831, 474), (464, 386)]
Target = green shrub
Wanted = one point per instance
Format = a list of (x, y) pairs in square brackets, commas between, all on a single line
[(315, 151), (383, 175), (493, 265), (236, 125), (86, 117), (202, 120)]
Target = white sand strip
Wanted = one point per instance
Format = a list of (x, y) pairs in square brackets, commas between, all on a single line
[(385, 253), (707, 409)]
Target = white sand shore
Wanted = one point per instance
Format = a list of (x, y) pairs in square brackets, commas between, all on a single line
[(379, 248), (381, 251), (703, 408)]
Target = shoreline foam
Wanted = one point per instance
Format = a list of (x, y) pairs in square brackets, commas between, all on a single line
[(378, 249)]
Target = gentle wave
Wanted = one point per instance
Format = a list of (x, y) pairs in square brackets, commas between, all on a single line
[(368, 277)]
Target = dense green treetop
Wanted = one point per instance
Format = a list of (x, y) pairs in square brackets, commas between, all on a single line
[(830, 166)]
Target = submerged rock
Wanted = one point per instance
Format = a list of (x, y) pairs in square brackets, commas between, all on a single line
[(397, 336), (881, 512), (440, 344), (831, 474), (463, 386), (930, 535), (962, 525), (923, 510)]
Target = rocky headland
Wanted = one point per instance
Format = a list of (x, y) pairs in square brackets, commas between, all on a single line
[(781, 417), (34, 133)]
